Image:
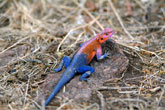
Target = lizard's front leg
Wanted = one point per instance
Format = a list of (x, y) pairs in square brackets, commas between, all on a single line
[(99, 53), (86, 71), (64, 62)]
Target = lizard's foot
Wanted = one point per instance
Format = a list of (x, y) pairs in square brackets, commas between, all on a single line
[(106, 54), (83, 79), (103, 56), (86, 80), (57, 69), (85, 75), (89, 81), (64, 62), (86, 72)]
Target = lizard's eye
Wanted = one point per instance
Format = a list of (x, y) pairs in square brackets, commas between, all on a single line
[(106, 33), (101, 38)]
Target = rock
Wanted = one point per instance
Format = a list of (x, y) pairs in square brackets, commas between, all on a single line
[(109, 68)]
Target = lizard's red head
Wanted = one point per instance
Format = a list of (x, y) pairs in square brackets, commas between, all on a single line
[(104, 35)]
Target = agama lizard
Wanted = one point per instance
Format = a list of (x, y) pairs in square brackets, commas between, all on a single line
[(79, 62)]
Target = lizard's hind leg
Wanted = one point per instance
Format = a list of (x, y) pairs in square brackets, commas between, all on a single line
[(64, 62), (86, 72)]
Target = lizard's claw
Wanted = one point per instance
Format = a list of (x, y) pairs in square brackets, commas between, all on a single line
[(106, 54), (89, 81)]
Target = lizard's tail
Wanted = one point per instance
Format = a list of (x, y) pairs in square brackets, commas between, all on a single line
[(64, 79)]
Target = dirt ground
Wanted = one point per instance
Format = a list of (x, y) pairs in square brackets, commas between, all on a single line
[(36, 34)]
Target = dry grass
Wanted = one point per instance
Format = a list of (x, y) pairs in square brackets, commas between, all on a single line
[(34, 35)]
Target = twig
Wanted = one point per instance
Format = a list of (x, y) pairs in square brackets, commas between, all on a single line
[(14, 44), (34, 72), (137, 28), (110, 88), (147, 78), (85, 10), (3, 3), (135, 67), (100, 95), (77, 39), (128, 7), (127, 92), (59, 108), (161, 95), (140, 5), (93, 105), (79, 27), (135, 100), (38, 106), (119, 19), (129, 100), (142, 51), (43, 4), (26, 92), (11, 108), (135, 78), (39, 82)]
